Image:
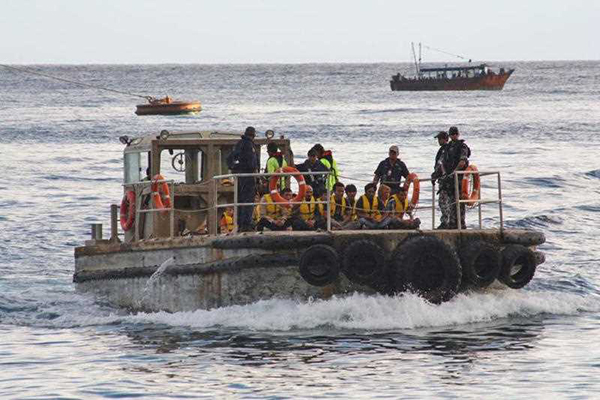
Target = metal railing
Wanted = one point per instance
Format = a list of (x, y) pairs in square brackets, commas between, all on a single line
[(236, 204), (138, 188)]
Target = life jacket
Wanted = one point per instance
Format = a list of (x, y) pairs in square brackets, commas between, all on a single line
[(228, 221), (400, 207), (351, 206), (274, 166), (272, 209), (372, 209), (256, 214), (328, 161), (337, 209), (307, 209)]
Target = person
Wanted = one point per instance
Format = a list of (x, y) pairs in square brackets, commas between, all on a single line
[(326, 158), (351, 199), (304, 216), (275, 216), (312, 164), (395, 208), (439, 173), (274, 162), (243, 159), (226, 223), (391, 170), (341, 214), (456, 159), (368, 208)]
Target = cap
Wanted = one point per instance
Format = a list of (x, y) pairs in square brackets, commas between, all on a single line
[(395, 149), (250, 131), (453, 130), (441, 134)]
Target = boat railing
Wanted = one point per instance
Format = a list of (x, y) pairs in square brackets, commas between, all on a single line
[(237, 204), (479, 202), (138, 188)]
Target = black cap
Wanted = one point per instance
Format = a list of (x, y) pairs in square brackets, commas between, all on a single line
[(453, 130), (250, 131), (441, 134)]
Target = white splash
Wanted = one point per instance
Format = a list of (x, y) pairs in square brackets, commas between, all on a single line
[(378, 312), (155, 277)]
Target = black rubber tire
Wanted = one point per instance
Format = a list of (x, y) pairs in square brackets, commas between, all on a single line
[(480, 263), (364, 263), (518, 266), (427, 266), (319, 265)]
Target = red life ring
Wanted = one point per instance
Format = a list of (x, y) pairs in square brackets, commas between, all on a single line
[(160, 191), (275, 193), (414, 179), (466, 193), (127, 210)]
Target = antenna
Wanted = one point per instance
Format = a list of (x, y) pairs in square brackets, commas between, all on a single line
[(419, 56), (415, 57)]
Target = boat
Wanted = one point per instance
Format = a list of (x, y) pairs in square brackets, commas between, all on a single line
[(456, 77), (165, 251), (167, 106)]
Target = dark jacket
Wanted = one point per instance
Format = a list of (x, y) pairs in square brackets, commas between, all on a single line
[(456, 151), (244, 156), (316, 181)]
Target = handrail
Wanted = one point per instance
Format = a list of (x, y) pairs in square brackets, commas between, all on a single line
[(479, 202)]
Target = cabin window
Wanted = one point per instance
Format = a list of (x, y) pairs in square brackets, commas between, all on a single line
[(136, 167), (181, 165)]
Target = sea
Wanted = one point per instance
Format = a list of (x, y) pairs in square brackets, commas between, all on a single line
[(62, 163)]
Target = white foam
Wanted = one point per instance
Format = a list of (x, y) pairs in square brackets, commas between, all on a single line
[(378, 312)]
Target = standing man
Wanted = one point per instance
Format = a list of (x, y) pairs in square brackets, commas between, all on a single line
[(312, 164), (457, 159), (391, 170), (274, 162), (243, 159), (439, 174), (326, 158)]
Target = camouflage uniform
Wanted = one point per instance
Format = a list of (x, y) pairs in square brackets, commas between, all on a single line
[(455, 152)]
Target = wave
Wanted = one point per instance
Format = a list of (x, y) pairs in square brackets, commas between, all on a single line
[(539, 221), (593, 174), (377, 312)]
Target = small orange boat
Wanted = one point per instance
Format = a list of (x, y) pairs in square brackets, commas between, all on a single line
[(167, 106)]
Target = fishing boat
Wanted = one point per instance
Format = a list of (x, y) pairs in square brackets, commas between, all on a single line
[(167, 106), (165, 251), (455, 77)]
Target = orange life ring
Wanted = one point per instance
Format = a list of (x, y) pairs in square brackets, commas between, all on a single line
[(127, 210), (466, 193), (275, 193), (414, 179), (160, 191)]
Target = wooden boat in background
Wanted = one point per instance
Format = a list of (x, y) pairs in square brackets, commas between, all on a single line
[(167, 106), (459, 77)]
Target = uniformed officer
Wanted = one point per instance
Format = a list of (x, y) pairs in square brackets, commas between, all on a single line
[(439, 173), (244, 160), (456, 159), (391, 170)]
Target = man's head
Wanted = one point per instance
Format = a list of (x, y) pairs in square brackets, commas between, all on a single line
[(309, 192), (338, 190), (453, 133), (393, 153), (319, 149), (250, 132), (286, 193), (312, 156), (384, 192), (401, 194), (229, 211), (351, 191), (272, 148), (370, 189), (442, 137)]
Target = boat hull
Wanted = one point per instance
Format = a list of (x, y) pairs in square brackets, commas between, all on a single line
[(484, 82), (173, 108), (222, 271)]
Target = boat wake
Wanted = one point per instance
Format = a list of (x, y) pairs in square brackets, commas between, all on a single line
[(364, 312)]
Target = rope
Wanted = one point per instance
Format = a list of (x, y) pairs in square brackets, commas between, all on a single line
[(445, 52), (28, 71)]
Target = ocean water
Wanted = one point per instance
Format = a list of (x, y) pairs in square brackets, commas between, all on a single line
[(62, 166)]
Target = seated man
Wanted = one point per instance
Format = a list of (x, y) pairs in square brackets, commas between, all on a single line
[(341, 213), (275, 216), (396, 207), (304, 216), (351, 200), (226, 223), (368, 208)]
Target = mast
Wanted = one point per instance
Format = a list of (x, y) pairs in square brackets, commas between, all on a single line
[(412, 44), (419, 57)]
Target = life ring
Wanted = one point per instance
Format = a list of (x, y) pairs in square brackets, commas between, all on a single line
[(480, 263), (518, 266), (127, 210), (319, 265), (160, 191), (427, 266), (466, 193), (301, 186), (364, 263), (414, 179)]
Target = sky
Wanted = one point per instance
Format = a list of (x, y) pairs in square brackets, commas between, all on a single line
[(307, 31)]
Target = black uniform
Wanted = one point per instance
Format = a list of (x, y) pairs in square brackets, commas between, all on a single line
[(317, 182), (245, 160), (391, 175)]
